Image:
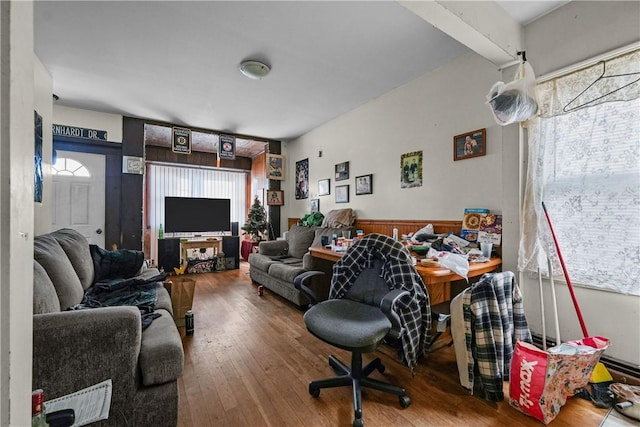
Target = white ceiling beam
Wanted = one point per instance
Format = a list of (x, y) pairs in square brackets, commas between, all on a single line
[(482, 26)]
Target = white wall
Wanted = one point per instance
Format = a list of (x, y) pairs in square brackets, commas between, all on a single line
[(585, 29), (112, 123), (43, 86), (423, 115), (16, 211)]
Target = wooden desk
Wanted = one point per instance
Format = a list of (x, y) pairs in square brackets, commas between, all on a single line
[(438, 280), (216, 244)]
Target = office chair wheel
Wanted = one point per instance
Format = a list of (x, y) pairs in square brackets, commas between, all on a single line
[(405, 401), (358, 422), (314, 392)]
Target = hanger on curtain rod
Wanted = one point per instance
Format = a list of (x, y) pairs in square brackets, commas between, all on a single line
[(568, 109)]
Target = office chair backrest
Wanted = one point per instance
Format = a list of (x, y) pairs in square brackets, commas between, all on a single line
[(369, 287)]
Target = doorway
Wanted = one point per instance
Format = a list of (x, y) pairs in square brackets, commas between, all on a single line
[(79, 194)]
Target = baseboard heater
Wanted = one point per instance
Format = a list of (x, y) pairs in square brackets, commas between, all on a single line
[(619, 366)]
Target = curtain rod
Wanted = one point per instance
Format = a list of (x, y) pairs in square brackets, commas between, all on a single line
[(186, 165), (588, 62)]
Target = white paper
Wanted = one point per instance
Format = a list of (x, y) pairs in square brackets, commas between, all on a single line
[(90, 404)]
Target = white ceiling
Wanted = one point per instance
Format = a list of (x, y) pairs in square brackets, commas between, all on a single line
[(177, 61)]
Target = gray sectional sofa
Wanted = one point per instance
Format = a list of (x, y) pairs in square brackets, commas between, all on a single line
[(74, 349), (278, 262)]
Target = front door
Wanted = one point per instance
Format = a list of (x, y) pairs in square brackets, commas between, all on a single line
[(79, 194)]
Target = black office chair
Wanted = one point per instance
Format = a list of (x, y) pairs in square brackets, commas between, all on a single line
[(365, 297)]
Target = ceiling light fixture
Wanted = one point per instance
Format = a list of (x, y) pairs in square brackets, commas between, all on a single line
[(254, 69)]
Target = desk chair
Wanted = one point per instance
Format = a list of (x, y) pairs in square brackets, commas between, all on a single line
[(357, 322)]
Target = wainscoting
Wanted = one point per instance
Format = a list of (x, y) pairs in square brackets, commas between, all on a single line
[(404, 226)]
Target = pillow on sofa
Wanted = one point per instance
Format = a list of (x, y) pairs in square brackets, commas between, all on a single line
[(299, 239), (320, 232), (337, 218)]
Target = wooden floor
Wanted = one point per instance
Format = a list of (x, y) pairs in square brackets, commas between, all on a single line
[(251, 359)]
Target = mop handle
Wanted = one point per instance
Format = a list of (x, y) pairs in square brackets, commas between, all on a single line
[(566, 275)]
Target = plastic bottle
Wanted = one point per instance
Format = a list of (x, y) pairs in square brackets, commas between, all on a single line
[(161, 232)]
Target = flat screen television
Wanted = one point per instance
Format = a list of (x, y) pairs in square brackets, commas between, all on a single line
[(196, 215)]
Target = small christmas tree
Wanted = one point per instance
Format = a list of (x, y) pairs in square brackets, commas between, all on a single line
[(257, 224)]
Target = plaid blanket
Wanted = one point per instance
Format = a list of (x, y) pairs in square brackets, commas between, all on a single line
[(399, 273)]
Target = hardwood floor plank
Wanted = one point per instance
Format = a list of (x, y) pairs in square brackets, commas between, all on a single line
[(250, 361)]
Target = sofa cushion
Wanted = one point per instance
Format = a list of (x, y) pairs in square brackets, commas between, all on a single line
[(161, 354), (48, 252), (286, 272), (260, 262), (326, 231), (45, 299), (163, 298), (76, 246), (300, 238)]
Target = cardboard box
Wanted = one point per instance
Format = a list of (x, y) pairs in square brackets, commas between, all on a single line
[(471, 223), (181, 290), (490, 229)]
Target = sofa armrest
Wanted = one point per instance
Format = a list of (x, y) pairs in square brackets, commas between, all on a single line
[(273, 247), (75, 349)]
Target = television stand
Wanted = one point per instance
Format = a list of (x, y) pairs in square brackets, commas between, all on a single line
[(214, 243)]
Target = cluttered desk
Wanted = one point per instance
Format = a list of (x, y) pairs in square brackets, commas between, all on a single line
[(437, 279)]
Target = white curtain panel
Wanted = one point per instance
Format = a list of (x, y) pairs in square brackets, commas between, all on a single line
[(585, 166)]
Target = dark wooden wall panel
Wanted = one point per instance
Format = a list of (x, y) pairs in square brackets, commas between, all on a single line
[(131, 200)]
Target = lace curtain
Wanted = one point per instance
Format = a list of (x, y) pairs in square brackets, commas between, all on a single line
[(585, 166)]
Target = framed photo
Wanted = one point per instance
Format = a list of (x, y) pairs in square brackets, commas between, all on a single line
[(275, 197), (470, 144), (302, 179), (342, 194), (342, 171), (315, 205), (275, 167), (323, 187), (363, 184), (411, 170)]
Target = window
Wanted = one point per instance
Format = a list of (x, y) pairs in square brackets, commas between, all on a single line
[(69, 167), (584, 165)]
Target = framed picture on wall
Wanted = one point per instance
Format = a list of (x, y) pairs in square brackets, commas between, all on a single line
[(275, 167), (363, 184), (315, 205), (323, 187), (470, 144), (302, 179), (342, 171), (275, 197), (411, 170), (342, 194)]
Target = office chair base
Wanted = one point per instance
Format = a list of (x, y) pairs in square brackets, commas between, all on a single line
[(356, 376)]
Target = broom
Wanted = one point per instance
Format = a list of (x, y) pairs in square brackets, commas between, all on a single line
[(600, 373)]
